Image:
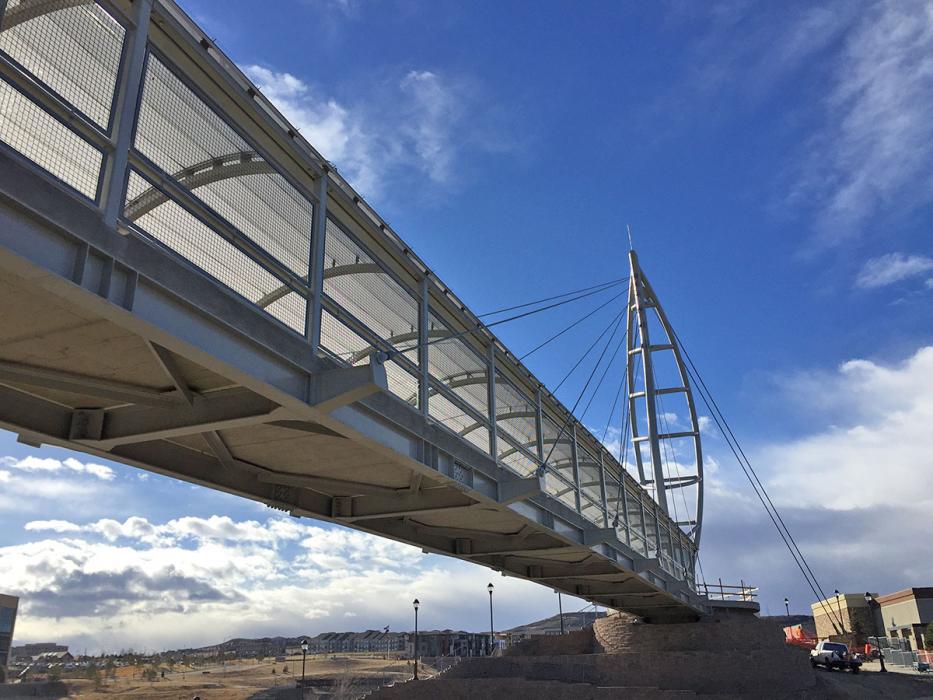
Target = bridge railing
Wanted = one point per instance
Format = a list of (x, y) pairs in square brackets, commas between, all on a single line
[(151, 124), (727, 592)]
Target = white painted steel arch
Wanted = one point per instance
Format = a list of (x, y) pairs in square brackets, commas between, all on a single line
[(642, 304)]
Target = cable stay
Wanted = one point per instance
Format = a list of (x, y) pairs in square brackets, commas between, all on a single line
[(598, 287), (445, 337), (617, 321), (759, 488)]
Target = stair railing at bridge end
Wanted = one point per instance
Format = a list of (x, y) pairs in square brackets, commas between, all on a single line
[(727, 592)]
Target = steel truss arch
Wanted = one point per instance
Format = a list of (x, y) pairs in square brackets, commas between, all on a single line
[(642, 302)]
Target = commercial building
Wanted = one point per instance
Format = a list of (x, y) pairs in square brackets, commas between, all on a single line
[(8, 606), (847, 613), (905, 615)]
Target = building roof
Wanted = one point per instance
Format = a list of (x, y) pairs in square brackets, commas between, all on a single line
[(905, 594)]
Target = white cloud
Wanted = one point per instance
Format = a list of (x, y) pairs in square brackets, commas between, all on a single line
[(877, 450), (416, 125), (876, 146), (50, 464), (891, 268), (863, 475), (193, 581)]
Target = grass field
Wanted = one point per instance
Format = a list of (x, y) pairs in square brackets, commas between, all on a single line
[(341, 677)]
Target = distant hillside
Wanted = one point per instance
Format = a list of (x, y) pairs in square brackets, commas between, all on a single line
[(275, 646), (551, 625)]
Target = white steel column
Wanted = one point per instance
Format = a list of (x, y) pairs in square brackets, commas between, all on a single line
[(125, 104), (316, 266)]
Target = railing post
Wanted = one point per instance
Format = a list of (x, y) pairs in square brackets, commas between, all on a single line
[(539, 425), (576, 467), (424, 374), (602, 489), (126, 101), (316, 266), (491, 393)]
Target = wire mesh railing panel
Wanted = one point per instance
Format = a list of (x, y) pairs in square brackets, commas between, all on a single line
[(368, 292), (402, 383), (180, 231), (457, 420), (187, 139), (590, 484), (339, 340), (635, 519), (561, 489), (40, 137), (591, 510), (520, 463), (457, 366), (73, 50), (520, 412), (479, 437)]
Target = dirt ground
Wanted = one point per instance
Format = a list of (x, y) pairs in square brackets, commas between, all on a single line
[(338, 676), (872, 684)]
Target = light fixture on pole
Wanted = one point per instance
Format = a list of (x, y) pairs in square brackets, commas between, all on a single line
[(787, 607), (839, 608), (304, 655), (416, 605), (560, 609), (492, 633), (869, 598)]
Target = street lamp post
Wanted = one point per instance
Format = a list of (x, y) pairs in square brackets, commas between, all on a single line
[(560, 609), (304, 655), (492, 633), (869, 598), (416, 605), (787, 607), (839, 608)]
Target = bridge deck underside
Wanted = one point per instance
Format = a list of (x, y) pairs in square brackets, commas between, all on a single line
[(73, 374)]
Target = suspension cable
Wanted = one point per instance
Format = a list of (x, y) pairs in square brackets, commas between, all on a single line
[(599, 287), (572, 325), (393, 352), (588, 351), (757, 486), (570, 414)]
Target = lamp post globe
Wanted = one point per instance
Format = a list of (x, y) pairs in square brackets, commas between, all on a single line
[(416, 604), (787, 607)]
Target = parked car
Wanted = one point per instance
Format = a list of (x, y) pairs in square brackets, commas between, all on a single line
[(834, 655)]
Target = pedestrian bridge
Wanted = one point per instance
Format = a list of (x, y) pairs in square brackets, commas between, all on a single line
[(190, 288)]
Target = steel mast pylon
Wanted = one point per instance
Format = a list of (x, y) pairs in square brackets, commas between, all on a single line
[(642, 302)]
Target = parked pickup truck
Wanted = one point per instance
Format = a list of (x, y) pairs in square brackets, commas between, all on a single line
[(834, 655)]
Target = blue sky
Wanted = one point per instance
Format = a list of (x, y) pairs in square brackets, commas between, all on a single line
[(775, 162)]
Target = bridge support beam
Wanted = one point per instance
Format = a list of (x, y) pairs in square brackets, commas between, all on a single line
[(331, 389), (520, 489)]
